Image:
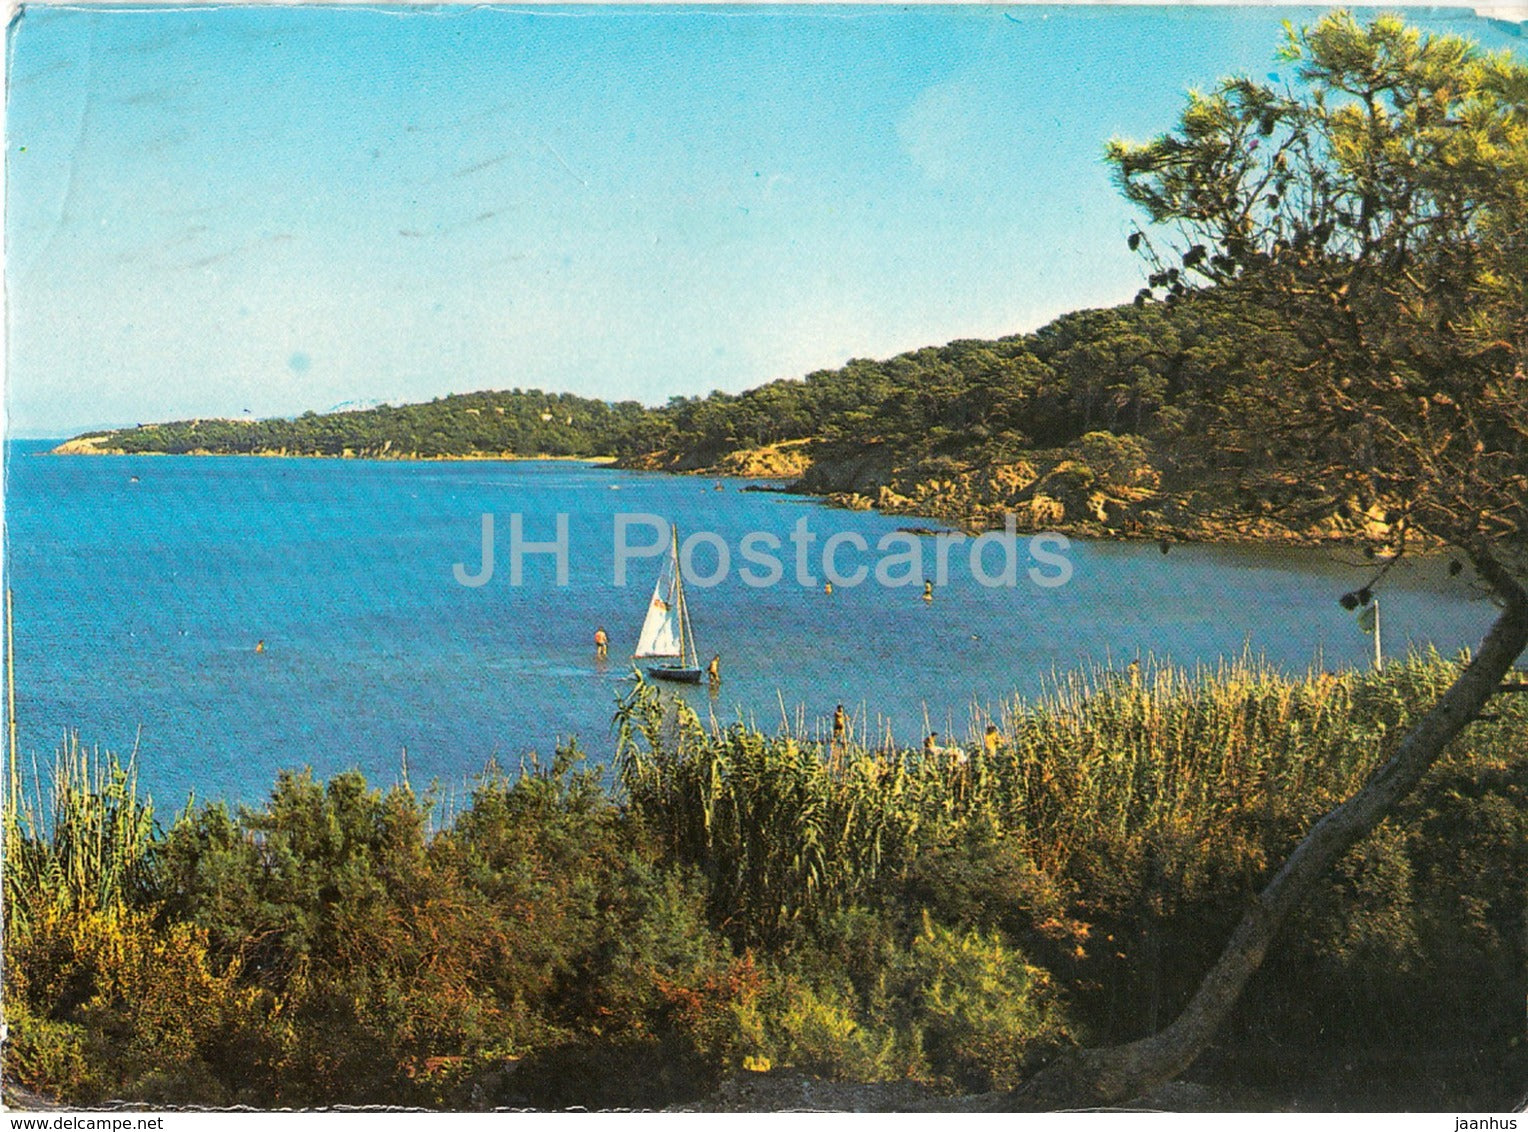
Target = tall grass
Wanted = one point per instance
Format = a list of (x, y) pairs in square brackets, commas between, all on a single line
[(1182, 784), (856, 909), (781, 830), (83, 842)]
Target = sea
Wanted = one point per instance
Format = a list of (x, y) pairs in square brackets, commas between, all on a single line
[(224, 618)]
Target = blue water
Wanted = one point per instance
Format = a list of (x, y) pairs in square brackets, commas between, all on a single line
[(138, 606)]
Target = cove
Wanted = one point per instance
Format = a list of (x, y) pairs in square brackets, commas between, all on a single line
[(143, 584)]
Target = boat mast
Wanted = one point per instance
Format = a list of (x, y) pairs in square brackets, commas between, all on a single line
[(689, 632), (686, 633)]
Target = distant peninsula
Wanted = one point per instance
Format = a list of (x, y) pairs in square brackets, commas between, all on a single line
[(1117, 422), (490, 425)]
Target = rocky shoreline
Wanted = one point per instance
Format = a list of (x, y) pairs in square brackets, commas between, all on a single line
[(95, 446), (1044, 491), (1052, 490)]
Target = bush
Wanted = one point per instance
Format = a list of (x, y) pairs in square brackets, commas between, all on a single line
[(750, 901), (978, 1011), (817, 1026), (107, 1004), (1119, 460)]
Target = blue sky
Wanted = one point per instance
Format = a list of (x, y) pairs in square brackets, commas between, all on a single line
[(280, 209)]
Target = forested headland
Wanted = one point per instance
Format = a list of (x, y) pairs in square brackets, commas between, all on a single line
[(503, 424), (1133, 419)]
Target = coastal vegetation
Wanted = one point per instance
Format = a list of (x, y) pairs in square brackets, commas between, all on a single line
[(509, 423), (734, 901)]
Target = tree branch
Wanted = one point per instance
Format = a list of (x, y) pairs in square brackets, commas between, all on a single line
[(1107, 1076)]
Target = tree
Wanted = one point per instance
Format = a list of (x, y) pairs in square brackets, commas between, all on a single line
[(1373, 217)]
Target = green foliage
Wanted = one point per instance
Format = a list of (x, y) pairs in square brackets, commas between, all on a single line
[(327, 900), (868, 1001), (113, 1005), (100, 1000), (781, 835), (1130, 372), (389, 950), (747, 901), (1371, 218), (816, 1026), (43, 1052), (1413, 933), (979, 1011), (85, 843), (508, 423), (1116, 835)]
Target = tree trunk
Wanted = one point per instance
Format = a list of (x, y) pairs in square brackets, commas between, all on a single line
[(1094, 1077)]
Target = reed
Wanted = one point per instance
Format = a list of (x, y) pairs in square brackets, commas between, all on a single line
[(83, 842), (1186, 784), (856, 908)]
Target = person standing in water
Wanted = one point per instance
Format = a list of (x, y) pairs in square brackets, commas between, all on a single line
[(928, 590), (601, 643), (714, 669), (260, 646)]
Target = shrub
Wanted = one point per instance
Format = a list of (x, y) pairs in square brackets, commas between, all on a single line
[(817, 1029), (749, 901), (977, 1010), (111, 1005)]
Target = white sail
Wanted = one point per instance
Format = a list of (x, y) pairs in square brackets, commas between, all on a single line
[(661, 633)]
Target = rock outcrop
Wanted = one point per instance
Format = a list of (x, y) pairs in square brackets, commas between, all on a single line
[(95, 445)]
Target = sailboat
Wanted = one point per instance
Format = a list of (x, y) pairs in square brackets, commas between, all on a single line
[(666, 630)]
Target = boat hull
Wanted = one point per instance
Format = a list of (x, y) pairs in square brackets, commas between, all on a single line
[(676, 673)]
